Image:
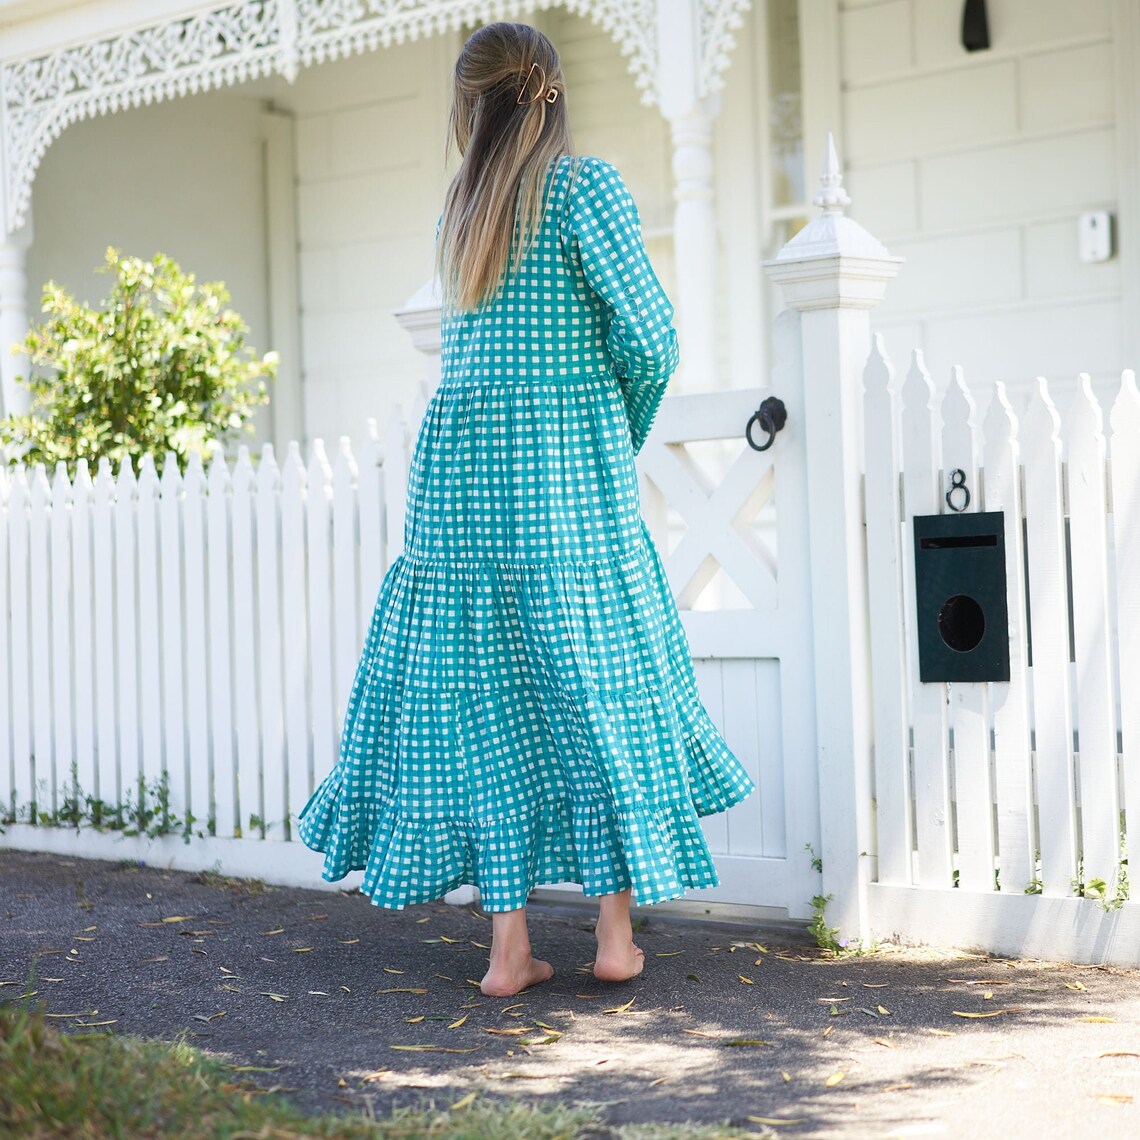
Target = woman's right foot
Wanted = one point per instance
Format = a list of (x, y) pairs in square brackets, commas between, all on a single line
[(618, 959)]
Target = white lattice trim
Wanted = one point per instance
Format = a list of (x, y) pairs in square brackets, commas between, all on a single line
[(720, 20), (242, 40)]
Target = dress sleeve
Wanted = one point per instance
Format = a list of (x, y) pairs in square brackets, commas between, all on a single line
[(641, 339)]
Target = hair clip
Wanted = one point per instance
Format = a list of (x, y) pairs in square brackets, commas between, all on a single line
[(548, 96)]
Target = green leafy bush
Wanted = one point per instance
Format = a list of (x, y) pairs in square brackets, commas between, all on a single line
[(162, 366)]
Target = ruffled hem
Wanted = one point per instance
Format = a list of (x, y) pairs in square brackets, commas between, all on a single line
[(658, 851)]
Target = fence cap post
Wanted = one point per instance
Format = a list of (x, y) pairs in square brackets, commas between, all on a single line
[(833, 262), (420, 316)]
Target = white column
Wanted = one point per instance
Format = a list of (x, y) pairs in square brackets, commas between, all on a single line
[(833, 273), (420, 316), (690, 116), (14, 317), (694, 244)]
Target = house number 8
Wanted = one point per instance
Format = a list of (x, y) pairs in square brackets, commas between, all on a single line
[(958, 483)]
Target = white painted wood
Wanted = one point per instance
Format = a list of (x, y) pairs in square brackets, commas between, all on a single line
[(710, 685), (7, 754), (370, 497), (244, 626), (107, 780), (318, 523), (168, 569), (62, 697), (1014, 925), (1087, 488), (39, 570), (922, 463), (23, 783), (126, 634), (1013, 778), (223, 743), (294, 637), (885, 600), (82, 648), (396, 463), (269, 641), (197, 658), (1125, 423), (969, 702), (153, 758), (1049, 634), (347, 640)]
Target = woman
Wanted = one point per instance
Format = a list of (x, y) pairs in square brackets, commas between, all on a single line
[(525, 709)]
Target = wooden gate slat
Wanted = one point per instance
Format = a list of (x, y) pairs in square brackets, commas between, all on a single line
[(921, 451), (1013, 786), (172, 559), (1096, 689), (270, 677), (150, 638), (39, 565), (223, 754), (62, 649), (1048, 617), (885, 599), (197, 658), (82, 588)]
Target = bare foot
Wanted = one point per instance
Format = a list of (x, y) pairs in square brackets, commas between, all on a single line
[(618, 960), (505, 979)]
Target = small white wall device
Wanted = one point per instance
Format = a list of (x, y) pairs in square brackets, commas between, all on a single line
[(1094, 236)]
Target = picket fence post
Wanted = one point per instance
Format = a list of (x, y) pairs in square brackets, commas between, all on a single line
[(833, 273)]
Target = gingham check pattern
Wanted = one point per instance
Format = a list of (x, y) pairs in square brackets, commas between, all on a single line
[(525, 710)]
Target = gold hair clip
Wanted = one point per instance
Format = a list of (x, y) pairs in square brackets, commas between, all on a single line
[(548, 96)]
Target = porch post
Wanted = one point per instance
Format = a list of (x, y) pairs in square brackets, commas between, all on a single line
[(833, 273), (13, 316), (420, 317), (690, 116)]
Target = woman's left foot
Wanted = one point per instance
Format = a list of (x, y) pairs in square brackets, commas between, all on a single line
[(618, 961), (505, 979)]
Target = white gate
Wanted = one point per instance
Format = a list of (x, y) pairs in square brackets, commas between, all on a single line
[(730, 524)]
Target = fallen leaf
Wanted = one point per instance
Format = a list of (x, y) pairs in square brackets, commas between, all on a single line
[(834, 1079), (746, 981), (884, 1042), (348, 941), (400, 991), (390, 970), (658, 1081), (747, 1041), (884, 1011), (279, 930), (444, 938), (315, 918), (868, 1012), (464, 1102), (987, 995), (434, 1049), (875, 985), (271, 996), (1118, 1053), (621, 1008), (208, 1017), (1107, 1020), (517, 1032), (254, 1068), (668, 953), (1074, 986), (827, 1031), (319, 993), (786, 1075), (941, 1032), (92, 1024), (773, 1121), (180, 918), (457, 1024), (899, 1088), (1112, 1098), (701, 1033), (302, 949), (414, 1020)]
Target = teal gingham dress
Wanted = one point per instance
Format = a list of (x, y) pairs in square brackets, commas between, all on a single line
[(525, 709)]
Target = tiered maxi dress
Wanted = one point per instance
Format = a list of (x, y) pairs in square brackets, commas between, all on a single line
[(525, 710)]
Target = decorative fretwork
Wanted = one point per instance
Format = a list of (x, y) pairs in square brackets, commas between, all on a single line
[(237, 41), (42, 96), (719, 22)]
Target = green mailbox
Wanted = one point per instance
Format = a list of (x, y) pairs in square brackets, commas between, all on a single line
[(960, 593)]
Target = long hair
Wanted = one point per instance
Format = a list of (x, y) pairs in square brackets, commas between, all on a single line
[(507, 132)]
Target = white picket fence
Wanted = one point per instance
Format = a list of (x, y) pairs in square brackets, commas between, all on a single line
[(1022, 787), (198, 630)]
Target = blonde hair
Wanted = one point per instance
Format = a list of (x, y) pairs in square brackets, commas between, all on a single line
[(494, 205)]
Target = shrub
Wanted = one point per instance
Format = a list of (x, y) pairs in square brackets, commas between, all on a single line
[(162, 366)]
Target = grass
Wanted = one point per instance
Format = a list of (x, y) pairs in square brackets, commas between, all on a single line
[(100, 1086)]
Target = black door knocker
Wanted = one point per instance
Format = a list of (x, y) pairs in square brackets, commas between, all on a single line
[(771, 415)]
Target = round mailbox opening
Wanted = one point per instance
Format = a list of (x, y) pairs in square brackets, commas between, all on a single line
[(961, 623)]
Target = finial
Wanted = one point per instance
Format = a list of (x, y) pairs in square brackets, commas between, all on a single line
[(831, 197)]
